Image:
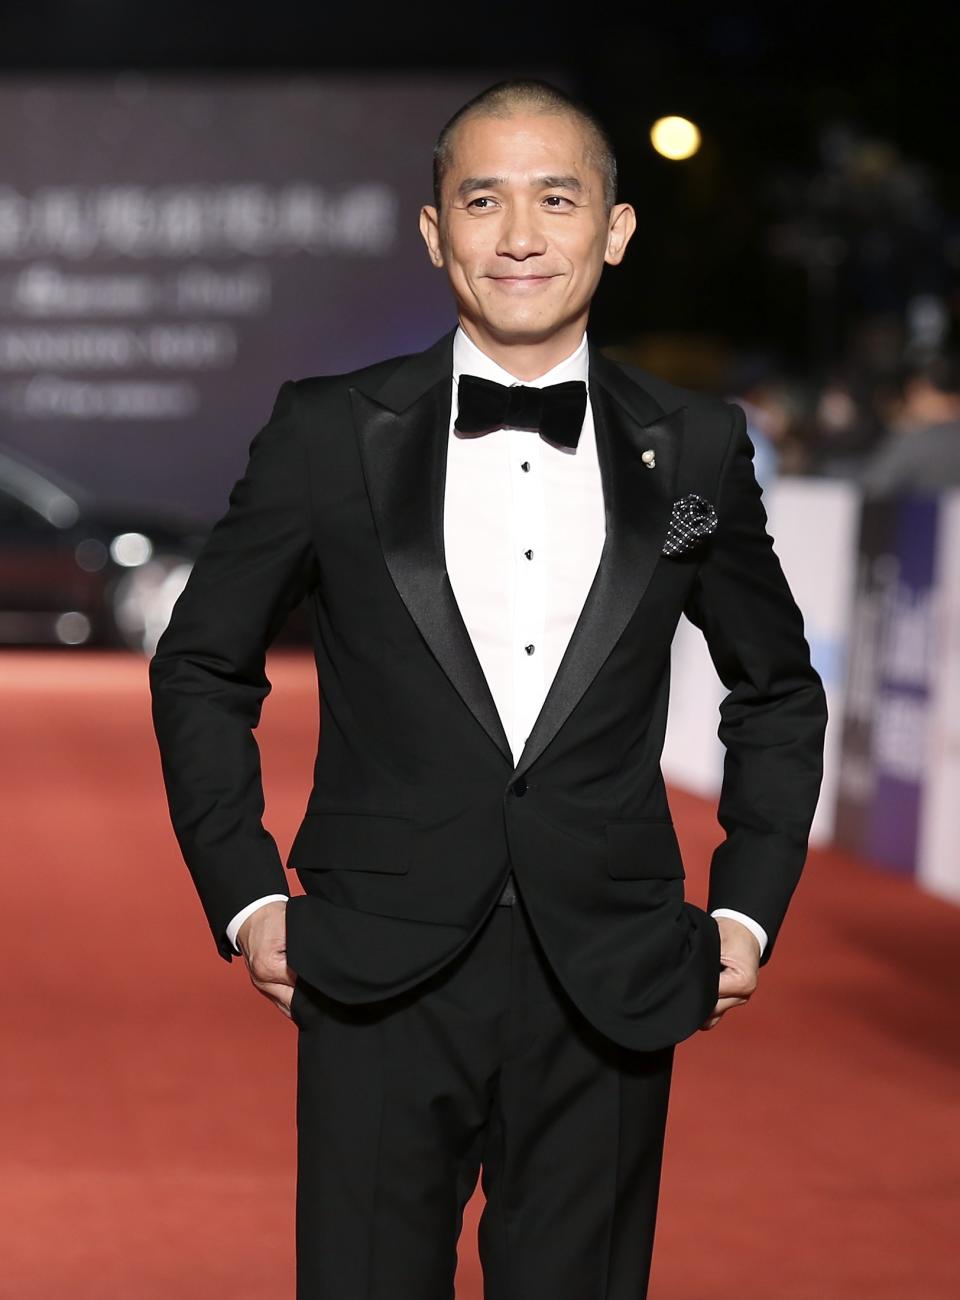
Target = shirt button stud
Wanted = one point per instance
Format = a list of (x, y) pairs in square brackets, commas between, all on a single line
[(525, 466), (529, 554), (529, 648)]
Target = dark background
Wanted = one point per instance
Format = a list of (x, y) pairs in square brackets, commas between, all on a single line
[(743, 240)]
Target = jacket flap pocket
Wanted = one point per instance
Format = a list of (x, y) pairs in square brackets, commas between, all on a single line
[(353, 841), (640, 850)]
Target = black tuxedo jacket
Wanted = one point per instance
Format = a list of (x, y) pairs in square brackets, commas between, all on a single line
[(417, 812)]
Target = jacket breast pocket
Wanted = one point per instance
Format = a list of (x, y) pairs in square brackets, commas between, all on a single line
[(353, 841), (642, 850)]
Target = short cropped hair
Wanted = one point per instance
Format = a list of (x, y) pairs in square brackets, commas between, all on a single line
[(507, 98)]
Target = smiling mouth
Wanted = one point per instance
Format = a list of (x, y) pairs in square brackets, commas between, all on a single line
[(521, 279)]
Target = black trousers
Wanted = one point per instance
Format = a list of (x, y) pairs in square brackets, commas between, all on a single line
[(486, 1063)]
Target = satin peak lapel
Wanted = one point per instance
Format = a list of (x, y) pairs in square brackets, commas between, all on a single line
[(404, 457)]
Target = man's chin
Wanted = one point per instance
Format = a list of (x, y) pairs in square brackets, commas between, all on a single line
[(519, 331)]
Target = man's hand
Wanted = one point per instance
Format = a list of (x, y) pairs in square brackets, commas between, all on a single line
[(740, 955), (263, 941)]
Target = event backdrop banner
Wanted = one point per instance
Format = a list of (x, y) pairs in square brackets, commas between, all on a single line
[(938, 863), (889, 696), (172, 248)]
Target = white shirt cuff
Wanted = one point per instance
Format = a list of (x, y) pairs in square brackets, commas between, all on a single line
[(241, 916), (753, 926)]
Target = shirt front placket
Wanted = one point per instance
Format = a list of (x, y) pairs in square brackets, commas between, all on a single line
[(528, 615)]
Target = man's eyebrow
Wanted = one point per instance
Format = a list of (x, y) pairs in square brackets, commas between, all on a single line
[(471, 183), (558, 182), (479, 183)]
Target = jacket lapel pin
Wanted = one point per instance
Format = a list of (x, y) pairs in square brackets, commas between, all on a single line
[(649, 458)]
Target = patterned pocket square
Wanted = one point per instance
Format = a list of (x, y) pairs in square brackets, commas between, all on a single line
[(693, 518)]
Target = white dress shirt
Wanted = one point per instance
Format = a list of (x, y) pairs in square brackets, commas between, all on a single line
[(523, 528)]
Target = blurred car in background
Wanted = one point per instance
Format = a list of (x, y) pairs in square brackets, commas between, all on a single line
[(76, 571)]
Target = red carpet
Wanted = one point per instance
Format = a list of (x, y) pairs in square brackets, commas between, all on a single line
[(146, 1096)]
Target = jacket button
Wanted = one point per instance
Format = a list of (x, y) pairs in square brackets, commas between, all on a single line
[(519, 787)]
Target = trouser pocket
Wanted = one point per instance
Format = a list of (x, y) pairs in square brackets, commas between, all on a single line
[(296, 1004)]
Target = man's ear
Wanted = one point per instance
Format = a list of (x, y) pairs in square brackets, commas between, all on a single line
[(430, 230), (623, 222)]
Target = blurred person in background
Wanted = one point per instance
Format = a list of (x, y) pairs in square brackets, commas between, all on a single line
[(921, 452), (775, 407), (847, 423), (493, 960), (762, 433), (748, 385)]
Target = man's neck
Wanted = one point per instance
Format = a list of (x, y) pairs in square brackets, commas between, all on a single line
[(527, 361)]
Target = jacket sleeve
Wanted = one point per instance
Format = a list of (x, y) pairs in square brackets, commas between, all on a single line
[(207, 675), (773, 718)]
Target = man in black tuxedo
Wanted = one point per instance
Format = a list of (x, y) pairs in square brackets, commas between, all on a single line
[(493, 960)]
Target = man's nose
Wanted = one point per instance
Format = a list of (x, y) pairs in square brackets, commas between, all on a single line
[(520, 235)]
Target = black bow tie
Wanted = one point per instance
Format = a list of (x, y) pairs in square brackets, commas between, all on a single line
[(556, 410)]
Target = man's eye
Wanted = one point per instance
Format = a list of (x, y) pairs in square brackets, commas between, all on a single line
[(557, 199), (483, 198)]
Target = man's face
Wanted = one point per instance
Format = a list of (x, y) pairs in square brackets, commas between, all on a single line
[(522, 232)]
